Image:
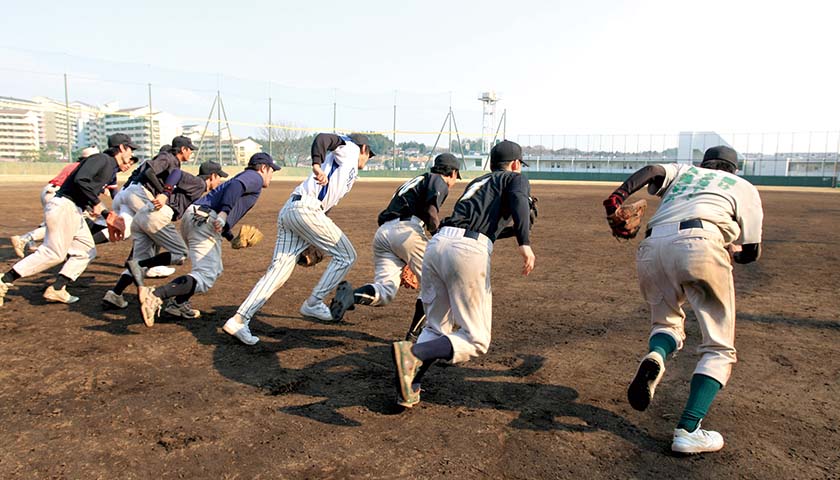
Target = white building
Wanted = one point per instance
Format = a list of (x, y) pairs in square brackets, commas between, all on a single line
[(19, 135), (149, 136), (226, 150)]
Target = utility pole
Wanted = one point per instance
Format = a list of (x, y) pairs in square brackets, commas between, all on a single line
[(67, 118), (151, 125)]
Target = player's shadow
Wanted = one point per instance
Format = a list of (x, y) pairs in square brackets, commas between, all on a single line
[(364, 379), (790, 321)]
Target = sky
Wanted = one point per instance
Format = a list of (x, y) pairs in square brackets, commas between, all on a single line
[(559, 67)]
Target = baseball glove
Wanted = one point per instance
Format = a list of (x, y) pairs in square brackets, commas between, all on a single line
[(248, 236), (116, 227), (408, 279), (310, 257), (626, 221)]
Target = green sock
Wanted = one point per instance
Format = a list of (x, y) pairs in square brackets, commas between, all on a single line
[(703, 391), (663, 344)]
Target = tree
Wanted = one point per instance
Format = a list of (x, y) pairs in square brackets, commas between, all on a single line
[(289, 146), (380, 144)]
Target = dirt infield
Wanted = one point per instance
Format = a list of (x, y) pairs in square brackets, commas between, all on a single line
[(88, 393)]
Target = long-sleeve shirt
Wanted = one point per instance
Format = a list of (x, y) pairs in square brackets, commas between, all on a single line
[(84, 185), (189, 189), (235, 197), (491, 202), (161, 172), (340, 165)]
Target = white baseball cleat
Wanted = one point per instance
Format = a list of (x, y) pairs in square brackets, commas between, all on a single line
[(648, 376), (318, 311), (18, 244), (114, 300), (4, 289), (698, 441), (149, 305), (240, 330), (159, 272), (60, 296)]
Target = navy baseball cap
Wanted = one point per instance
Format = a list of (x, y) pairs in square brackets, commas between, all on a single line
[(263, 158), (118, 139), (505, 151), (362, 139), (208, 168), (722, 152), (182, 141), (448, 160)]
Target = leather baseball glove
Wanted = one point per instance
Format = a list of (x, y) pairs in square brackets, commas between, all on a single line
[(248, 236), (626, 220), (310, 257), (534, 213), (408, 279), (116, 227)]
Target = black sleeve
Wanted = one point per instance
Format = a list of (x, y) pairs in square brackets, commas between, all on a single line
[(323, 143), (519, 206), (748, 254), (87, 178), (150, 175), (642, 177), (436, 194)]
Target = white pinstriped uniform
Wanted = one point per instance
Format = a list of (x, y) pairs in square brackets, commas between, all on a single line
[(303, 222)]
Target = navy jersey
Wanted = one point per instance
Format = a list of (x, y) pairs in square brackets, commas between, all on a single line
[(491, 202), (84, 185), (189, 189), (421, 196), (234, 197)]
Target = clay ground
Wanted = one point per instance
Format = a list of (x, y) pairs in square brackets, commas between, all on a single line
[(88, 393)]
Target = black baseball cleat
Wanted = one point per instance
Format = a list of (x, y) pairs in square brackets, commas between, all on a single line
[(648, 376), (342, 301)]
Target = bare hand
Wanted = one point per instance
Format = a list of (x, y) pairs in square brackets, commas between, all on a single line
[(528, 259), (159, 201), (320, 176), (97, 209)]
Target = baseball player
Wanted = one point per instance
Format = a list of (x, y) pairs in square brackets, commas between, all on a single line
[(401, 240), (125, 208), (303, 221), (22, 243), (704, 214), (155, 229), (455, 287), (205, 223), (67, 236)]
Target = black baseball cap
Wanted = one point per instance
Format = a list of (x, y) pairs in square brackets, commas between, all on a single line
[(362, 139), (165, 148), (182, 141), (722, 152), (263, 158), (505, 151), (448, 160), (118, 139), (208, 168)]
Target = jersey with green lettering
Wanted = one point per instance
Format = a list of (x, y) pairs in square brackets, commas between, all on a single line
[(722, 198)]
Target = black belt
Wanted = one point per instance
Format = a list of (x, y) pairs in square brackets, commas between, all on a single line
[(684, 225), (471, 234), (406, 218), (296, 197)]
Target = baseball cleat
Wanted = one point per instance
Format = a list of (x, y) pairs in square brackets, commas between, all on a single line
[(19, 245), (240, 331), (407, 366), (318, 311), (343, 300), (4, 289), (111, 299), (159, 272), (183, 310), (149, 305), (136, 271), (698, 441), (648, 376), (60, 296)]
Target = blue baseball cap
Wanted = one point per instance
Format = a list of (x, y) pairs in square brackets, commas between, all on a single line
[(263, 158)]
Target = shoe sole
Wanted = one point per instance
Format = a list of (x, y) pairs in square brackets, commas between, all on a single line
[(18, 250), (401, 400), (113, 306), (150, 322), (342, 302), (180, 315), (69, 301), (694, 451), (639, 393)]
